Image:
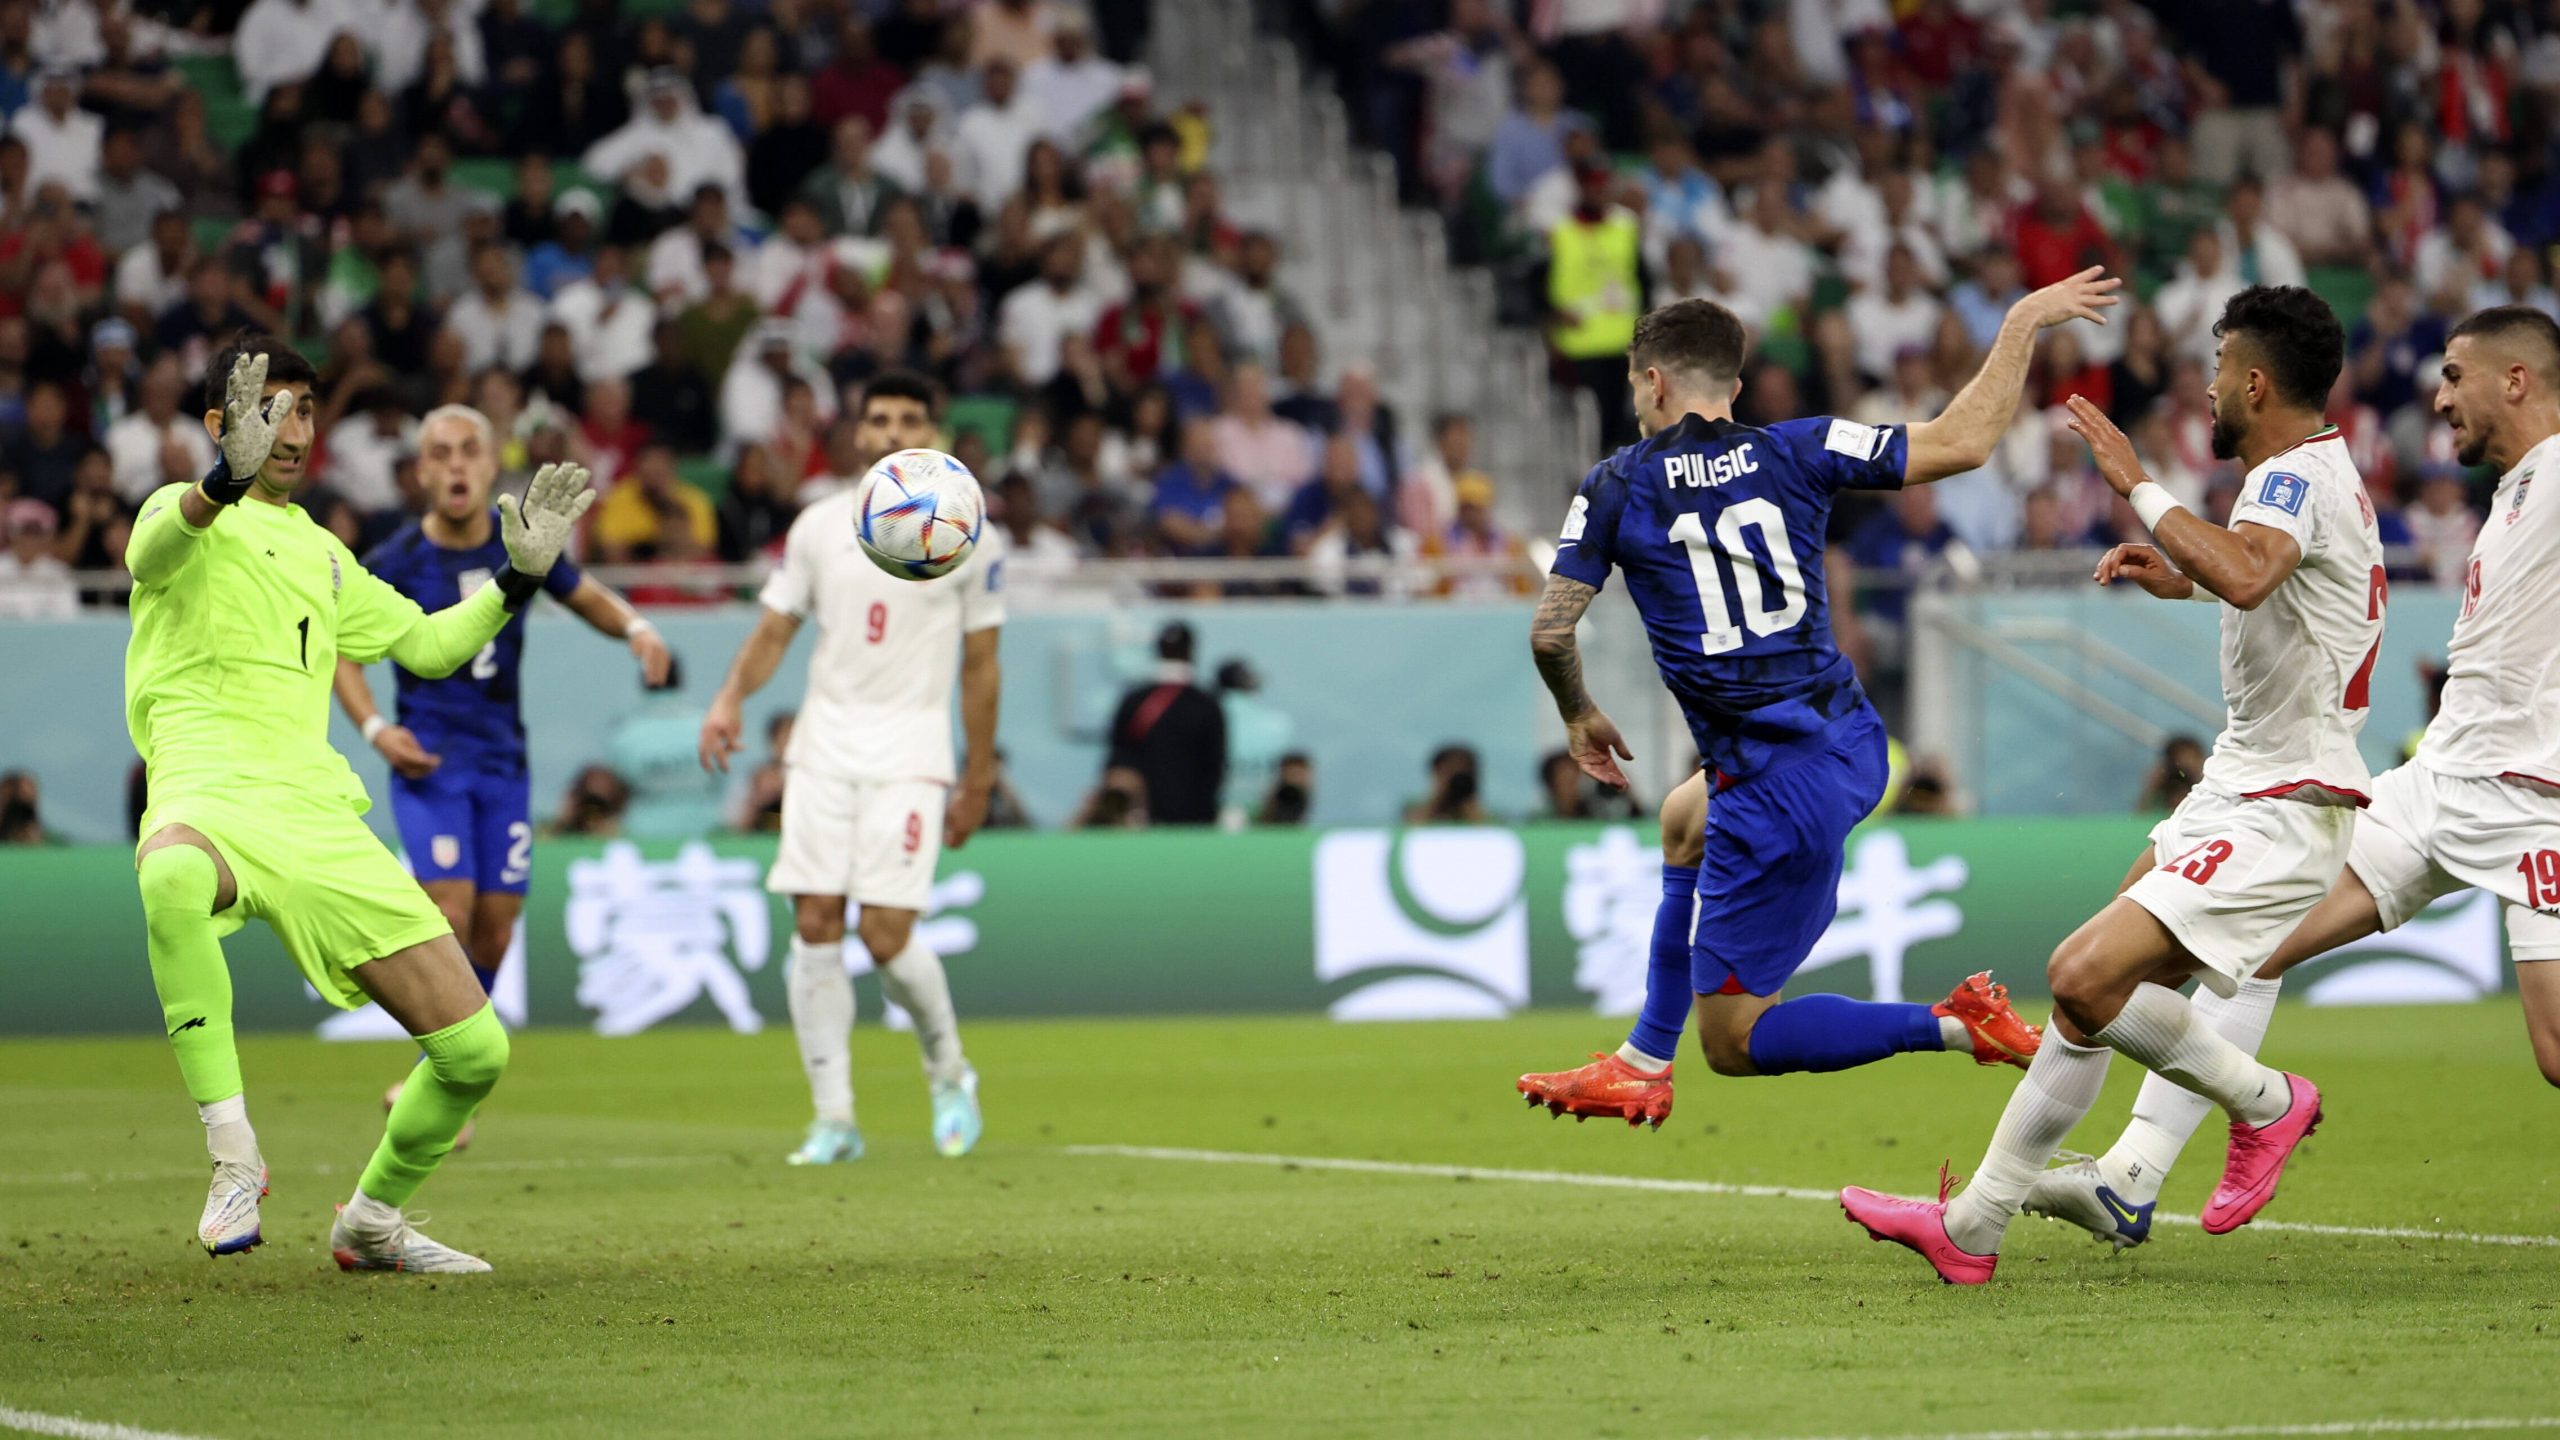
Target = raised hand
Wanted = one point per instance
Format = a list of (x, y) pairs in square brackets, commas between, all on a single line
[(249, 421), (2108, 446), (2144, 566), (536, 528), (2085, 296)]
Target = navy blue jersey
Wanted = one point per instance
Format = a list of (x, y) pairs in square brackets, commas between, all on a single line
[(1719, 528), (470, 717)]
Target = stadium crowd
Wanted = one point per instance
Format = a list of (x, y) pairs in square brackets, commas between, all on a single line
[(670, 239)]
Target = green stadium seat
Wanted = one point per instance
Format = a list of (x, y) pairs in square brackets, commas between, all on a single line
[(228, 114), (2347, 288), (989, 417), (706, 475)]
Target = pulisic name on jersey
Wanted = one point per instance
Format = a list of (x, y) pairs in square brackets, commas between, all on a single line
[(1698, 472)]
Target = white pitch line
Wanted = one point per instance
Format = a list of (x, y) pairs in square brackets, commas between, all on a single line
[(1718, 1187), (2233, 1432), (37, 1423), (604, 1162)]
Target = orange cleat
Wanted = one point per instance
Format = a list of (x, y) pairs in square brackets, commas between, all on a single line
[(2000, 1035), (1607, 1087)]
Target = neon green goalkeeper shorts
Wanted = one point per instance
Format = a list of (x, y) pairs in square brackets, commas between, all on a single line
[(308, 866)]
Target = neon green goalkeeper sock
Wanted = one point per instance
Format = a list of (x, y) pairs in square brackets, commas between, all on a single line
[(179, 885), (464, 1061)]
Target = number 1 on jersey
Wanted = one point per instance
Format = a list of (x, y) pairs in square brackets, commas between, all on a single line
[(1722, 634), (304, 625)]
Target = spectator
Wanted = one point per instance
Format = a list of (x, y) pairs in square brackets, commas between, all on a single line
[(1258, 736), (34, 585), (500, 322), (2190, 304), (553, 378), (2320, 210), (653, 515), (594, 805), (757, 510), (1011, 32), (568, 252), (1036, 318), (1254, 311), (1901, 315), (129, 197), (994, 135), (1428, 498), (1898, 544), (2442, 525), (849, 192), (209, 315), (752, 390), (1594, 291), (44, 454), (63, 141), (151, 278), (2470, 249), (1356, 534), (2057, 237), (1172, 735), (1568, 794), (609, 321), (1119, 802), (1071, 84), (157, 444), (429, 212), (1142, 336), (1292, 795), (1191, 493), (680, 258), (2180, 766), (1474, 534), (364, 449), (1040, 554), (716, 322), (2259, 251), (1005, 810), (697, 149), (1530, 140), (674, 395), (20, 824), (1453, 798), (1768, 268)]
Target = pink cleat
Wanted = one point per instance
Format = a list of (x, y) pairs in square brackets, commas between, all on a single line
[(2256, 1160), (1919, 1225)]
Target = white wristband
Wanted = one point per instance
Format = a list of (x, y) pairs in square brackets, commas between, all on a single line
[(2153, 504), (374, 725), (638, 626)]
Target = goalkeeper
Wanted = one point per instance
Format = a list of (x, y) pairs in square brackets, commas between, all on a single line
[(242, 605)]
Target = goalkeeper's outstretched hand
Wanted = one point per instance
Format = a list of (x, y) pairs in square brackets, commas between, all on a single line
[(249, 421), (535, 529)]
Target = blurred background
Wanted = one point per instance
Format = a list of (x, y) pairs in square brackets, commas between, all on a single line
[(1287, 324)]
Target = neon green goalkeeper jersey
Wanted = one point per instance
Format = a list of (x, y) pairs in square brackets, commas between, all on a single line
[(237, 630)]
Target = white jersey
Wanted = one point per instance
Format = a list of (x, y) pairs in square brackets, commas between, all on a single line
[(2296, 671), (2501, 713), (879, 696)]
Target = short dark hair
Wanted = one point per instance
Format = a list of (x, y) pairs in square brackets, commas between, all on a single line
[(1700, 337), (2519, 324), (1174, 641), (2297, 337), (285, 365), (902, 385)]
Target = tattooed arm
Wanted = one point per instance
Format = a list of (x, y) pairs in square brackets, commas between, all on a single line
[(1590, 736)]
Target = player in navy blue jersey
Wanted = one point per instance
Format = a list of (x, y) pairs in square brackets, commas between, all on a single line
[(1719, 528), (458, 784)]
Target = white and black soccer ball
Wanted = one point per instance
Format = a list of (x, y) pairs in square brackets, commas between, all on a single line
[(918, 514)]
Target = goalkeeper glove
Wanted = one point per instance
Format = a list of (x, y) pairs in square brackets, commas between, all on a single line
[(535, 528)]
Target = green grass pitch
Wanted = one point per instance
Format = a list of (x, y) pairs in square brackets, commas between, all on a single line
[(660, 1272)]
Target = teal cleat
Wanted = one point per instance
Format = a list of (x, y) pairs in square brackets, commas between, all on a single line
[(828, 1144), (956, 1124)]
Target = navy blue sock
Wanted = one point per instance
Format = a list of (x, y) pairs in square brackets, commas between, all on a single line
[(1834, 1032), (1667, 990), (488, 980)]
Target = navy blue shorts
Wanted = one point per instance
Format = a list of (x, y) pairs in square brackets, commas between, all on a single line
[(1770, 882), (460, 825)]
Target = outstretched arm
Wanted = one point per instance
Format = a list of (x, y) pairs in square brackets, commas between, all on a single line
[(1590, 736), (756, 662), (602, 607), (2242, 565), (1964, 434)]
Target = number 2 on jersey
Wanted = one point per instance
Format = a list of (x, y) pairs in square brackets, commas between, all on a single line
[(1722, 634)]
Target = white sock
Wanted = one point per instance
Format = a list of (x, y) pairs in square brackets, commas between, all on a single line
[(2166, 1115), (371, 1216), (821, 996), (1953, 1035), (227, 1135), (914, 982), (2062, 1083), (1639, 1060), (2157, 1028)]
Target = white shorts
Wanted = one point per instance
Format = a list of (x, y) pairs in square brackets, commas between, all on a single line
[(875, 842), (2235, 876), (2429, 835)]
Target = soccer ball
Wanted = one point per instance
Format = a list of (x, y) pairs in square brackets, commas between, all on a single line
[(918, 514)]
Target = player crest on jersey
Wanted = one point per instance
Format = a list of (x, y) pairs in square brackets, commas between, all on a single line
[(470, 581), (2285, 492), (2515, 508), (446, 850)]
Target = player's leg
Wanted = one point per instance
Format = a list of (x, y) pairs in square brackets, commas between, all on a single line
[(1635, 1083), (185, 885), (1768, 886), (502, 869), (897, 842), (430, 989), (812, 866), (2538, 981)]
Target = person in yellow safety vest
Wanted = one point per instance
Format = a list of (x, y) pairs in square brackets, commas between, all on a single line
[(1595, 291)]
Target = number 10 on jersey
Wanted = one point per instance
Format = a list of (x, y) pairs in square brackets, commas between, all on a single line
[(1732, 527)]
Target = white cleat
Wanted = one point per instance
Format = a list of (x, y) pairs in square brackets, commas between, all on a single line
[(2078, 1193), (400, 1248), (229, 1225), (956, 1122)]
